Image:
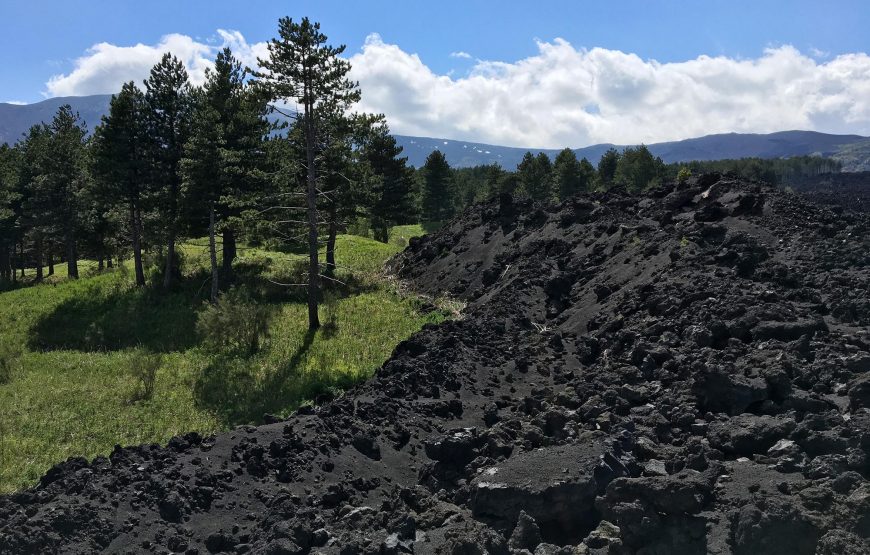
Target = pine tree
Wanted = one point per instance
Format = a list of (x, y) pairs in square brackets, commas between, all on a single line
[(566, 174), (391, 181), (167, 94), (38, 199), (494, 180), (303, 67), (437, 188), (637, 169), (10, 210), (535, 173), (344, 177), (571, 176), (121, 147), (607, 168), (67, 175), (223, 156)]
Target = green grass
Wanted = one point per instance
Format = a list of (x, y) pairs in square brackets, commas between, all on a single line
[(72, 394)]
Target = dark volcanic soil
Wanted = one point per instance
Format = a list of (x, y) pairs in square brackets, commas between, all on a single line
[(684, 372), (848, 189)]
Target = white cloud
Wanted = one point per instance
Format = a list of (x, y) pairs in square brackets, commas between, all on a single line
[(565, 96), (560, 96), (460, 54), (105, 67), (819, 54), (14, 102)]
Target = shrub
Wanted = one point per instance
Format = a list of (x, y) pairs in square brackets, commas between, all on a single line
[(360, 226), (143, 369), (236, 324), (155, 266), (684, 174)]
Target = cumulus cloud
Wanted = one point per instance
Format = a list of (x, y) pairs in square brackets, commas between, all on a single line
[(105, 67), (560, 96), (571, 96), (460, 54)]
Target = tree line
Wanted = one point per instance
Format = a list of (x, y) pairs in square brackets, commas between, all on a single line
[(446, 190), (172, 161)]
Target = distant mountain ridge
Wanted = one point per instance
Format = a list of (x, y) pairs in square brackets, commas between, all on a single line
[(782, 144), (853, 150)]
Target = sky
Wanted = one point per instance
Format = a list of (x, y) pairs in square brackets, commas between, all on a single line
[(517, 73)]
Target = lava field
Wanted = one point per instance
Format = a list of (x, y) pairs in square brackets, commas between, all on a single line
[(684, 371)]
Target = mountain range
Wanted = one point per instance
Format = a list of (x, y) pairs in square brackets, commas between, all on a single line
[(852, 150)]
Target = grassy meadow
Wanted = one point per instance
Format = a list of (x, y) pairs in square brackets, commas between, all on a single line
[(72, 347)]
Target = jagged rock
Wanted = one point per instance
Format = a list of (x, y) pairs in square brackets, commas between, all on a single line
[(840, 542), (719, 390), (526, 534), (859, 392), (559, 502), (745, 434)]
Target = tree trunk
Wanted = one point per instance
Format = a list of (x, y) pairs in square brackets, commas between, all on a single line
[(229, 255), (330, 241), (173, 216), (313, 263), (22, 261), (212, 251), (37, 255), (170, 261), (72, 263), (136, 226), (4, 263), (50, 262), (380, 230), (101, 263), (12, 270), (109, 263)]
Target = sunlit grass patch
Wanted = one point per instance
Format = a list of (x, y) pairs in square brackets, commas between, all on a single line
[(72, 392)]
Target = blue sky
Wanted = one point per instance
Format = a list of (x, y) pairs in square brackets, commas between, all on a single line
[(42, 39)]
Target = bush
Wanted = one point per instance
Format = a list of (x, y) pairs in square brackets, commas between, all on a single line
[(155, 267), (360, 226), (143, 369), (9, 360), (684, 174), (236, 324)]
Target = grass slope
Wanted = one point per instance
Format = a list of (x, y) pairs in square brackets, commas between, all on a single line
[(71, 392)]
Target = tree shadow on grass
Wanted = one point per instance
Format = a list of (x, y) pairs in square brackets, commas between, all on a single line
[(228, 389), (277, 284), (100, 321)]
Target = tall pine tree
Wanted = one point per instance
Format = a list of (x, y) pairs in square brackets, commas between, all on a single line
[(391, 181), (607, 168), (167, 94), (303, 67), (223, 155), (39, 199), (67, 174), (10, 210), (571, 176), (120, 161), (437, 188), (535, 173)]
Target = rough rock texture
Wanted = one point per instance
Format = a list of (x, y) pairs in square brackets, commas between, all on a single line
[(681, 372)]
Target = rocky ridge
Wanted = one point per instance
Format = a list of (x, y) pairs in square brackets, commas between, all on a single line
[(686, 371)]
